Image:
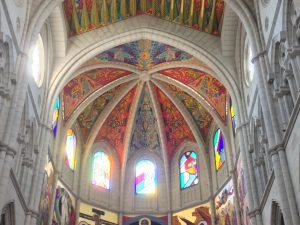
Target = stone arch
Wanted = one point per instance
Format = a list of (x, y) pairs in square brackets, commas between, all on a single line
[(276, 214), (8, 214)]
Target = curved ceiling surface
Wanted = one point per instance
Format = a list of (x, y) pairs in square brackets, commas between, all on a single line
[(85, 15), (149, 109)]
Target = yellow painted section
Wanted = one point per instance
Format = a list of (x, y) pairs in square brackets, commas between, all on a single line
[(87, 209)]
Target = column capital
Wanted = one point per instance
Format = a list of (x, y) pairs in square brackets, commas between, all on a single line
[(293, 52), (9, 151), (258, 55), (275, 149)]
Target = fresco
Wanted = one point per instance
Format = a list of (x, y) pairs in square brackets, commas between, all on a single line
[(242, 193), (210, 88), (46, 196), (225, 210), (145, 133), (200, 115), (145, 220), (199, 215), (114, 128), (64, 211), (85, 15), (176, 128), (85, 84), (142, 54), (87, 215), (91, 113)]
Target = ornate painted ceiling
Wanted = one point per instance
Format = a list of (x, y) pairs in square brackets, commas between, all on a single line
[(85, 15), (133, 104)]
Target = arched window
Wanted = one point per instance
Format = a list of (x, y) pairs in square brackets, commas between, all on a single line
[(219, 149), (37, 62), (55, 115), (248, 65), (188, 169), (145, 177), (101, 170), (70, 149), (232, 114)]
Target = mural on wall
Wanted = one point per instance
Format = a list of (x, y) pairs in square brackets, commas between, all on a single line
[(225, 210), (91, 113), (143, 54), (199, 215), (176, 128), (145, 134), (64, 211), (85, 84), (208, 87), (85, 15), (90, 215), (145, 220), (242, 192), (200, 115), (46, 196), (114, 128)]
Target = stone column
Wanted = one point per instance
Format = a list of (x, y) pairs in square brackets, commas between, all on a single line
[(77, 210), (236, 197), (10, 153), (293, 55), (120, 218), (53, 196), (289, 76), (212, 210)]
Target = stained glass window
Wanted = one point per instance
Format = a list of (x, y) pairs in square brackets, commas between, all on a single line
[(218, 145), (70, 149), (188, 169), (232, 113), (145, 177), (37, 62), (55, 116), (101, 170)]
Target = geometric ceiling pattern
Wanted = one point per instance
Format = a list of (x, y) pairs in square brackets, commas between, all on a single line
[(212, 90), (85, 84), (85, 15), (142, 55), (156, 97), (200, 115)]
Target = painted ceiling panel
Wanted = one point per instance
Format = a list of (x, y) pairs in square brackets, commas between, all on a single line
[(210, 88), (145, 135), (200, 115), (176, 128), (114, 128), (85, 15), (142, 54), (91, 113), (85, 84)]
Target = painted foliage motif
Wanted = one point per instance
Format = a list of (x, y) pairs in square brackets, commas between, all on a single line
[(145, 177), (208, 87), (242, 193), (188, 169), (142, 54), (64, 211), (101, 170), (175, 127), (114, 128), (85, 84), (46, 196), (225, 210), (199, 215), (145, 134), (91, 113), (85, 15), (219, 148), (200, 115)]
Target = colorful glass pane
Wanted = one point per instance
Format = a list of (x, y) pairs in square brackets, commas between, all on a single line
[(232, 113), (145, 177), (188, 170), (219, 148), (55, 116), (101, 170), (70, 149)]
